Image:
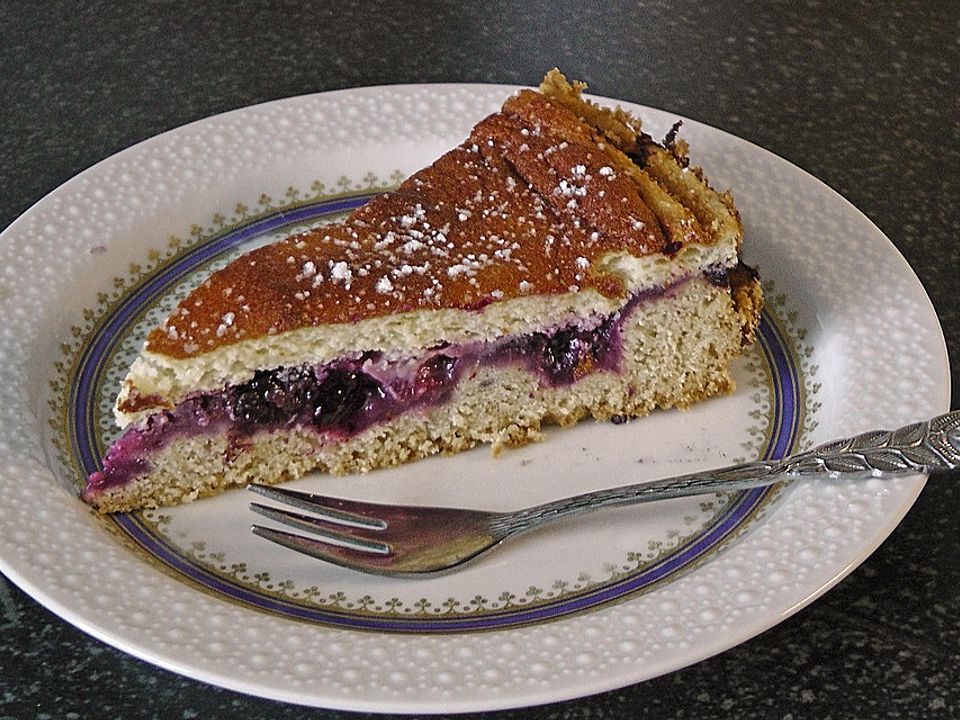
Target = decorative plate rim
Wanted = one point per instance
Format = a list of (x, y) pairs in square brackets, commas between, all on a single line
[(30, 570)]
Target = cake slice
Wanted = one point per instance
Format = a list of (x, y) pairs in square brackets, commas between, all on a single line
[(557, 265)]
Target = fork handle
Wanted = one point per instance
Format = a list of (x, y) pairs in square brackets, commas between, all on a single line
[(922, 447)]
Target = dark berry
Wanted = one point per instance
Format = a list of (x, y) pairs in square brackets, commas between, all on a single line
[(346, 399), (292, 389), (671, 247), (718, 275), (561, 355), (250, 404), (435, 373)]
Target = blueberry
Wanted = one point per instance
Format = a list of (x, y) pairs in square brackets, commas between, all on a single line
[(250, 404), (672, 248), (203, 410), (347, 400), (292, 389), (604, 344), (562, 353), (718, 275), (435, 373)]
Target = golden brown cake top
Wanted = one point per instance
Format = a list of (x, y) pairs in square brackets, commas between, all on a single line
[(524, 207)]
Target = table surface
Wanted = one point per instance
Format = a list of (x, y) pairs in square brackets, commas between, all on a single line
[(861, 94)]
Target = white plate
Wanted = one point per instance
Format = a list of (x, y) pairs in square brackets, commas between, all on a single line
[(591, 605)]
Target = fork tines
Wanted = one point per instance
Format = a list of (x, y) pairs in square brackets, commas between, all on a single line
[(332, 523)]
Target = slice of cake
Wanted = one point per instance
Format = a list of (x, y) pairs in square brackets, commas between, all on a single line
[(557, 265)]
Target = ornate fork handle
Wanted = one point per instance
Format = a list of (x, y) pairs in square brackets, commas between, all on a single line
[(918, 448)]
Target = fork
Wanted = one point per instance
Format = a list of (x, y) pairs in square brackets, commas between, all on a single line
[(408, 540)]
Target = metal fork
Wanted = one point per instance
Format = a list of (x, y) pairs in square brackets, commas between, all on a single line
[(405, 540)]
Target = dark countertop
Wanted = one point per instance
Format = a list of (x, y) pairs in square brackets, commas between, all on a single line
[(861, 94)]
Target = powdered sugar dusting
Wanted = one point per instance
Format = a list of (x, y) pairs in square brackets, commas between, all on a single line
[(524, 206)]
